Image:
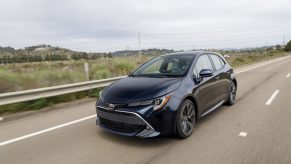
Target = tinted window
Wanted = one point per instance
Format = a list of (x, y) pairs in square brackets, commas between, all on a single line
[(203, 62), (216, 60)]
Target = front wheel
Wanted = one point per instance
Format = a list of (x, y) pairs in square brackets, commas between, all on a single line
[(186, 118), (232, 94)]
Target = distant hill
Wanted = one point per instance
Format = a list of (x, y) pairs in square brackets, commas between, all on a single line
[(45, 52), (35, 50)]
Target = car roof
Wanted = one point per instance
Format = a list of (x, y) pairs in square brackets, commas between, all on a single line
[(189, 53)]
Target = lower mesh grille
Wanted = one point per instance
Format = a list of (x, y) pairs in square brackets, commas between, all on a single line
[(120, 121), (121, 127)]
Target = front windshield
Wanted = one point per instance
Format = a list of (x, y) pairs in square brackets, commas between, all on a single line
[(171, 65)]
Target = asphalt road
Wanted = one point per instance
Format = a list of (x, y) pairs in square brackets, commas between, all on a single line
[(257, 129)]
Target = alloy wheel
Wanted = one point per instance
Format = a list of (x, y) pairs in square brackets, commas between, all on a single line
[(188, 119), (232, 92)]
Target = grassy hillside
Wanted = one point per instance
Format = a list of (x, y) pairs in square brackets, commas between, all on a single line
[(47, 53)]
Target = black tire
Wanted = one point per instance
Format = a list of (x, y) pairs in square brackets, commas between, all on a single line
[(232, 94), (185, 119)]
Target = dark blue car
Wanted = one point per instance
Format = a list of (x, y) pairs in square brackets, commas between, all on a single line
[(167, 95)]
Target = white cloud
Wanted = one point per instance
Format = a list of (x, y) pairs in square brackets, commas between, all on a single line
[(103, 25)]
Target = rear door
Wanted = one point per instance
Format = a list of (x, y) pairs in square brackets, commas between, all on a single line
[(222, 77)]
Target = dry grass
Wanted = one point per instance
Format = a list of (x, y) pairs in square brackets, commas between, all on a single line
[(15, 77)]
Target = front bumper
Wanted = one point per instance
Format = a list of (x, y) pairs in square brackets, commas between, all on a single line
[(124, 123), (139, 121)]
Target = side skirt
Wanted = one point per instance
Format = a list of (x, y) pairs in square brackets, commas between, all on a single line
[(213, 108)]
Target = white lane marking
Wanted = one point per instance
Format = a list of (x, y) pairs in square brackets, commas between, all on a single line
[(243, 134), (45, 130), (288, 75), (269, 102), (1, 118), (260, 65), (89, 117)]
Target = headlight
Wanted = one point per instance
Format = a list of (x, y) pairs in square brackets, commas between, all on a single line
[(157, 103), (161, 102)]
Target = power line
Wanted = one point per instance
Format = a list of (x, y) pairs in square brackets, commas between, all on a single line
[(209, 37), (216, 39), (213, 31)]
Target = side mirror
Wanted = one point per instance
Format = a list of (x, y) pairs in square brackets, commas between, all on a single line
[(206, 73)]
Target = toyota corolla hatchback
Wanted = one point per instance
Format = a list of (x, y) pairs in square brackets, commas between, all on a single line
[(167, 95)]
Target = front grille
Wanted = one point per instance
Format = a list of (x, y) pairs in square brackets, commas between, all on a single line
[(121, 127), (120, 121)]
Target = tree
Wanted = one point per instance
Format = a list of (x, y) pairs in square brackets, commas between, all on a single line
[(288, 47)]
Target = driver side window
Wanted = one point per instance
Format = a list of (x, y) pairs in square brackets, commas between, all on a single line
[(203, 62)]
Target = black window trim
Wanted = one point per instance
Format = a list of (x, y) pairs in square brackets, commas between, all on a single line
[(223, 63)]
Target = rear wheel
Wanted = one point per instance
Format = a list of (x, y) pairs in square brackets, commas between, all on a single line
[(186, 118), (232, 94)]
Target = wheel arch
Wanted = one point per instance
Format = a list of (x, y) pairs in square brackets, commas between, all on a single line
[(194, 101)]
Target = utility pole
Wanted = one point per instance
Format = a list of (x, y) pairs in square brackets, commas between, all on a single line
[(138, 43), (284, 38)]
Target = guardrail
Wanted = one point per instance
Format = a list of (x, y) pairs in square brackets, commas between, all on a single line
[(27, 95)]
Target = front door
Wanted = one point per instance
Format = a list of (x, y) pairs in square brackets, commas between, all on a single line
[(208, 89)]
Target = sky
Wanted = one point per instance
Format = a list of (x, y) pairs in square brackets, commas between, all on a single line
[(110, 25)]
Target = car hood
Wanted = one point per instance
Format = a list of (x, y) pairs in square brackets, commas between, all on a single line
[(132, 89)]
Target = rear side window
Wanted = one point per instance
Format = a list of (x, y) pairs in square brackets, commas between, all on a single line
[(203, 62), (217, 61)]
